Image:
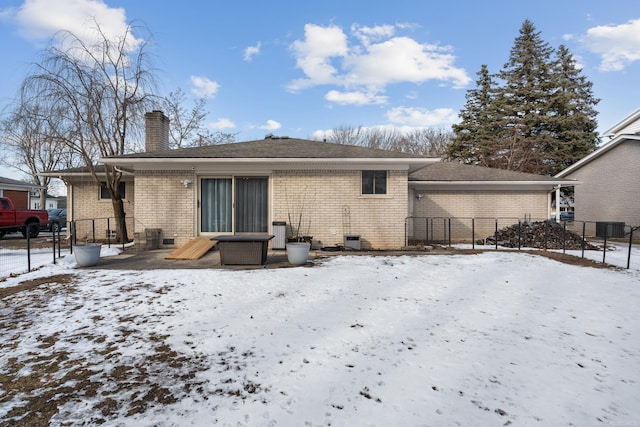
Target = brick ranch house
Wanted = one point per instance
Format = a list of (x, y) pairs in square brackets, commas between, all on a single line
[(610, 177), (330, 190)]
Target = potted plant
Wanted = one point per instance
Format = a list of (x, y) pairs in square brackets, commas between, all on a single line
[(297, 247), (87, 255)]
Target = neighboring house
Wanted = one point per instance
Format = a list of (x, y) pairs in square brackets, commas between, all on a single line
[(610, 178), (50, 203), (330, 190), (18, 191)]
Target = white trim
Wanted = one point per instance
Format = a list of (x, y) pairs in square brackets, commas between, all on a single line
[(600, 151), (615, 130), (490, 185)]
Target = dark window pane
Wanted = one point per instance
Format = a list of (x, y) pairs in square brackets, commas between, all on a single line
[(104, 194), (367, 182), (381, 182)]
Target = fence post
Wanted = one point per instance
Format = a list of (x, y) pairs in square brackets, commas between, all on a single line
[(72, 225), (28, 229), (444, 231), (406, 242), (449, 220), (473, 233), (126, 240), (564, 237), (108, 233), (93, 229), (519, 234), (54, 243), (630, 246), (604, 248), (495, 234), (584, 227)]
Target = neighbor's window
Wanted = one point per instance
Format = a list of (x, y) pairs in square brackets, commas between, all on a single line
[(374, 182), (104, 194)]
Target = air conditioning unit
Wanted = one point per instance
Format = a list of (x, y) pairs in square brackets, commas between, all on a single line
[(352, 241)]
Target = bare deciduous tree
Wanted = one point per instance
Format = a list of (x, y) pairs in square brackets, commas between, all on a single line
[(102, 89), (347, 135), (423, 141), (187, 126), (29, 134)]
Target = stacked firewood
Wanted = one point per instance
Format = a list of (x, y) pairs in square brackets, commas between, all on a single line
[(541, 234)]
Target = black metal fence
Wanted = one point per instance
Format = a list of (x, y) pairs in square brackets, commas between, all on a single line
[(449, 230), (18, 258), (88, 230)]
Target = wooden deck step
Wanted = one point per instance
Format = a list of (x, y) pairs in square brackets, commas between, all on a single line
[(193, 249)]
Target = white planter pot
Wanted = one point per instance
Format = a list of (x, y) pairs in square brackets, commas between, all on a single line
[(87, 255), (298, 253)]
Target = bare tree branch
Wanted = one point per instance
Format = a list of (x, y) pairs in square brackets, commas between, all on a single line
[(102, 90)]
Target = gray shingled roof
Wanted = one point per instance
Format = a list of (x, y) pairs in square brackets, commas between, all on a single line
[(273, 148), (16, 183), (452, 171)]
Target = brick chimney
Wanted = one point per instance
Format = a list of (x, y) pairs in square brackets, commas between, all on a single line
[(156, 131)]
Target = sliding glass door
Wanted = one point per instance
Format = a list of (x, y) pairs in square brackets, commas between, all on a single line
[(234, 205), (251, 205), (216, 205)]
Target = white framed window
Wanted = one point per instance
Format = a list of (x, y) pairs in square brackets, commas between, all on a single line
[(374, 182)]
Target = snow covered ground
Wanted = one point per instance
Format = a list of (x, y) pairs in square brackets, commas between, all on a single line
[(499, 338)]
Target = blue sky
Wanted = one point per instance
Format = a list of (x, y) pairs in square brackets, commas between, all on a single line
[(300, 68)]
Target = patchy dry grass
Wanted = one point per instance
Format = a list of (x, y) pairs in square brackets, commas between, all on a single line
[(43, 381)]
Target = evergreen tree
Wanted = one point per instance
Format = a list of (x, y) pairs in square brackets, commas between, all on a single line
[(523, 103), (474, 132), (540, 120), (573, 105)]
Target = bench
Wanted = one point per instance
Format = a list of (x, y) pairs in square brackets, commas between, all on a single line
[(243, 249)]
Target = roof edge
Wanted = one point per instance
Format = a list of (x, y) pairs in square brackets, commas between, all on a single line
[(622, 124), (599, 152)]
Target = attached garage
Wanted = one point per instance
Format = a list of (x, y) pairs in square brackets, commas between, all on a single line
[(475, 198)]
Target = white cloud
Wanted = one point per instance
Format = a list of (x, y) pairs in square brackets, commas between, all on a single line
[(251, 51), (375, 59), (354, 98), (366, 35), (271, 125), (314, 54), (402, 59), (617, 45), (422, 117), (41, 19), (222, 123), (204, 87)]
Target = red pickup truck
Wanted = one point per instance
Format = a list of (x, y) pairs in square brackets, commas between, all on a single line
[(12, 219)]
